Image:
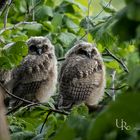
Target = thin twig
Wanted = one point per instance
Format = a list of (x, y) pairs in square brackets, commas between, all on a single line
[(32, 104), (34, 6), (6, 6), (33, 12), (5, 17), (83, 35), (117, 59), (18, 106), (16, 25), (102, 9), (50, 111), (113, 84), (14, 96), (13, 109), (108, 94), (118, 88), (7, 12), (59, 111), (89, 4), (61, 59), (45, 120)]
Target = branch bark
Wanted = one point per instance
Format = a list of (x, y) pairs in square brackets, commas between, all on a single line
[(117, 59)]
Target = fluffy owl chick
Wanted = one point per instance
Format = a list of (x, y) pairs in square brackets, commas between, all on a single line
[(82, 76), (35, 78)]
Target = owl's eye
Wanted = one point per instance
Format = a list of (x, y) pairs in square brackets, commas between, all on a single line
[(45, 48), (83, 52), (32, 48), (94, 52)]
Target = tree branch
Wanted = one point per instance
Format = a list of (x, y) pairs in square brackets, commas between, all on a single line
[(7, 12), (117, 59), (33, 12), (102, 10), (113, 84), (14, 96), (16, 25), (50, 111), (117, 88)]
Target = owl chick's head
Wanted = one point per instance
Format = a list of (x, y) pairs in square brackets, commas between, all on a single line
[(84, 49), (39, 45)]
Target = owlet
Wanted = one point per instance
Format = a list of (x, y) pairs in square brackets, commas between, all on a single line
[(36, 77), (82, 77)]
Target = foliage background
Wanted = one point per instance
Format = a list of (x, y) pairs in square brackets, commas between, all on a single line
[(115, 27)]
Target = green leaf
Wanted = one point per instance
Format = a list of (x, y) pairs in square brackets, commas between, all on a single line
[(47, 25), (50, 3), (43, 12), (59, 50), (71, 25), (57, 22), (80, 6), (65, 7), (113, 65), (34, 29), (123, 28), (125, 107), (133, 11), (20, 38), (22, 135), (13, 54), (18, 48), (82, 110), (5, 63), (65, 132), (66, 38)]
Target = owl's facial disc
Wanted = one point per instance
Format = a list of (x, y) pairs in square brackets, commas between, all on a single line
[(85, 51)]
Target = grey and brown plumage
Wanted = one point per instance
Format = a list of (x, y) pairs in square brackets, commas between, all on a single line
[(5, 76), (35, 78), (82, 76)]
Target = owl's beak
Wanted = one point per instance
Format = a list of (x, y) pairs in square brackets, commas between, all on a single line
[(39, 51), (89, 54)]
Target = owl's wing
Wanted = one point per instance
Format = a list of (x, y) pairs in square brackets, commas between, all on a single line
[(78, 79), (29, 75)]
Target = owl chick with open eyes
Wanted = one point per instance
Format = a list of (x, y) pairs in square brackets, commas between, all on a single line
[(82, 77), (36, 77)]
